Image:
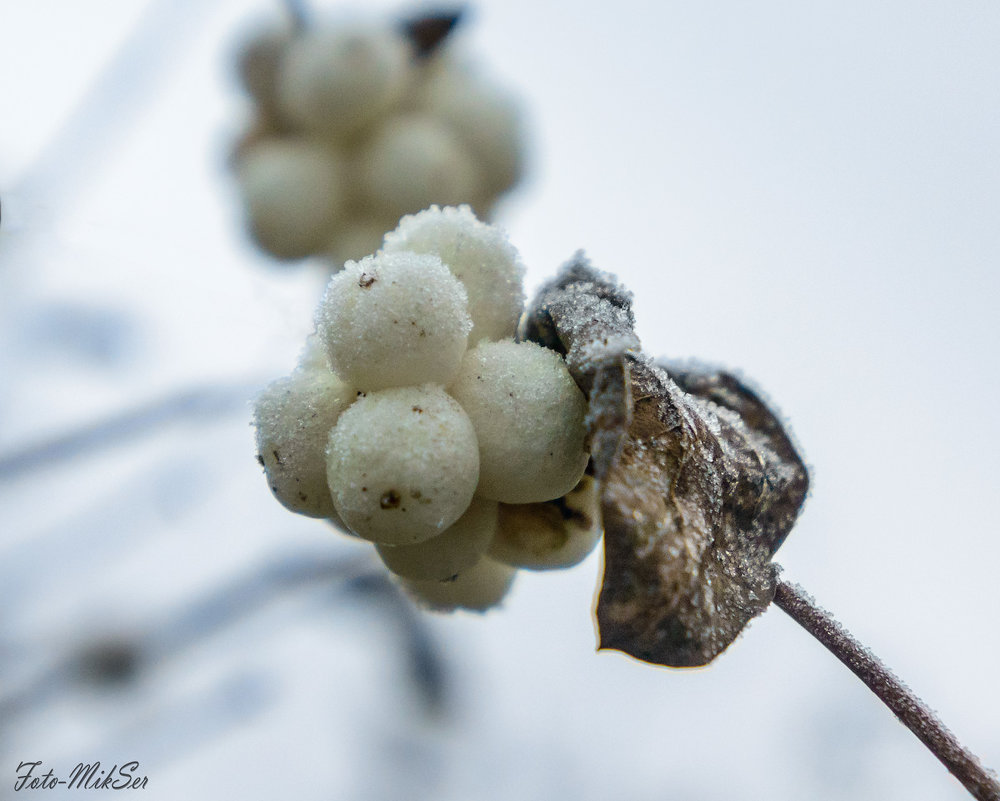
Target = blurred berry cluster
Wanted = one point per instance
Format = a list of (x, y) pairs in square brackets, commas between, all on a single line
[(357, 123)]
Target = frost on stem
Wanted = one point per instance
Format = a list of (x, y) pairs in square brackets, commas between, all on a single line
[(699, 482)]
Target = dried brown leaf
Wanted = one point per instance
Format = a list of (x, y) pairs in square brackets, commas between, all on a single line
[(700, 482)]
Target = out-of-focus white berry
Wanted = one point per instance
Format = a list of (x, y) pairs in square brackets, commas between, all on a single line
[(410, 124), (528, 415), (554, 534), (479, 255), (336, 80), (415, 160), (293, 194), (394, 320), (402, 464), (486, 120), (294, 417), (358, 236), (258, 64), (457, 548), (479, 588)]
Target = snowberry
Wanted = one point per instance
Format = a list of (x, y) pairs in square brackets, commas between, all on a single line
[(555, 534), (479, 255), (336, 80), (402, 464), (258, 64), (480, 587), (294, 417), (528, 415), (415, 160), (459, 547), (313, 355), (394, 320), (407, 124), (485, 119), (358, 236), (293, 194)]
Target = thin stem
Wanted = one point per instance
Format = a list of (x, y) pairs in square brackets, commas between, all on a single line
[(130, 81), (911, 711)]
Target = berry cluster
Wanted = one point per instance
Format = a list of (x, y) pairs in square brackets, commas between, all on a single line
[(415, 420), (356, 125)]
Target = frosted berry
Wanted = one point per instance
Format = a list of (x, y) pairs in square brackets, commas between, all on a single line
[(394, 320), (402, 464), (457, 548), (479, 255), (293, 417), (528, 414)]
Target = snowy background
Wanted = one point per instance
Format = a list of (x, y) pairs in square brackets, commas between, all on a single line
[(808, 193)]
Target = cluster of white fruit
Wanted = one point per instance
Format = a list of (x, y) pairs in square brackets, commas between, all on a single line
[(355, 125), (416, 421)]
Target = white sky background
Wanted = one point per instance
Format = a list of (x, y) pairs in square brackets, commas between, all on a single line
[(807, 193)]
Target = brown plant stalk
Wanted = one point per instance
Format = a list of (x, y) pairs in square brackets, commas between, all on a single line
[(911, 711), (701, 483)]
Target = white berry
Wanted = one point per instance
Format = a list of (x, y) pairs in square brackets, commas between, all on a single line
[(528, 415), (415, 160), (294, 417), (457, 548), (555, 534), (336, 80), (479, 255), (394, 320), (293, 194), (479, 588), (259, 63), (402, 464), (358, 236), (485, 119)]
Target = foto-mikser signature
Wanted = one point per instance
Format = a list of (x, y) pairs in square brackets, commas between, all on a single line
[(85, 776)]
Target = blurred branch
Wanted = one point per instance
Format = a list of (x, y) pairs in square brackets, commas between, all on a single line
[(201, 404), (248, 594), (120, 660), (426, 669), (911, 711), (186, 724), (118, 95)]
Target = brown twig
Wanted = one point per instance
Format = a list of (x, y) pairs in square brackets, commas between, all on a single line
[(911, 711)]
